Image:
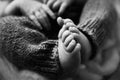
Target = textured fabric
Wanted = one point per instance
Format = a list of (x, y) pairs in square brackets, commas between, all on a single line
[(96, 21), (95, 32), (92, 21), (27, 47)]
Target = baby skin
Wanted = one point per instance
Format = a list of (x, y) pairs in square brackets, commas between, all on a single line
[(72, 45), (69, 48)]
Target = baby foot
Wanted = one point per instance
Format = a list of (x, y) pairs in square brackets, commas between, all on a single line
[(69, 50), (82, 39), (78, 36)]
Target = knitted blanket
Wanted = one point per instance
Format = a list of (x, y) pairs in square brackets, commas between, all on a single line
[(27, 47)]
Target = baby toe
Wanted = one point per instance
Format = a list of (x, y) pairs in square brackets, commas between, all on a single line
[(71, 46), (68, 40), (65, 35), (74, 30)]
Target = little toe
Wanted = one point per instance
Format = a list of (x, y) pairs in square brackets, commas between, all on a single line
[(74, 30), (71, 46), (70, 24)]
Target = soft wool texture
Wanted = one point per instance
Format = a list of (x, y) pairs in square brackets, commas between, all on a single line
[(27, 48)]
